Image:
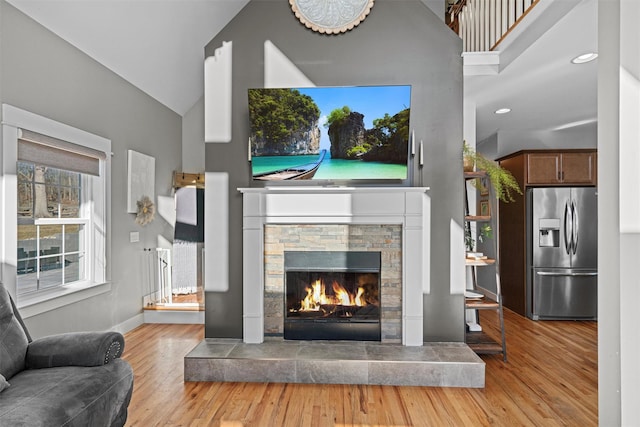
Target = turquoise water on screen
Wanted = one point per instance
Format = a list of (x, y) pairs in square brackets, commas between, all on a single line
[(331, 169)]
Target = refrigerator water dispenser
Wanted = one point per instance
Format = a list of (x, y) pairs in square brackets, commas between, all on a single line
[(549, 232)]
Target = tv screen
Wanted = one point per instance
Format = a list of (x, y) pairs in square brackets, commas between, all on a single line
[(329, 133)]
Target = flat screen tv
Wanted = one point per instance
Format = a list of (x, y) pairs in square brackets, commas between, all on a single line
[(335, 134)]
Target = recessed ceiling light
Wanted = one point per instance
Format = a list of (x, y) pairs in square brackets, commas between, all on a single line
[(503, 111), (584, 58)]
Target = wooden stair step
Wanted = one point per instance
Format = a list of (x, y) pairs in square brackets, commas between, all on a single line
[(481, 304), (482, 343)]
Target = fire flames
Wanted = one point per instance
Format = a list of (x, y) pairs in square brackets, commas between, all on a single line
[(317, 297)]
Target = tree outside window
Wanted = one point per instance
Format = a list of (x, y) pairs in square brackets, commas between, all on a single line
[(50, 228)]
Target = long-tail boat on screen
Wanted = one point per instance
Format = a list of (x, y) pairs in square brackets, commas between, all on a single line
[(305, 171)]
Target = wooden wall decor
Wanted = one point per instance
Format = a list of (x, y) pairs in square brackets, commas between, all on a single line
[(183, 179)]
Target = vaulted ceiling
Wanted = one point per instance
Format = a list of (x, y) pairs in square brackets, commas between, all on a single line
[(158, 46)]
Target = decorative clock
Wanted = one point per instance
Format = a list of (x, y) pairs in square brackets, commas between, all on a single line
[(331, 16)]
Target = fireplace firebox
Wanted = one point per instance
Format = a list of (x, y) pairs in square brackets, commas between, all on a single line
[(332, 295)]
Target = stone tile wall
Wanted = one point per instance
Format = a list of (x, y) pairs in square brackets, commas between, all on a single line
[(386, 239)]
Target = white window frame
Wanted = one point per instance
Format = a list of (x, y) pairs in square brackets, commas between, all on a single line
[(99, 203)]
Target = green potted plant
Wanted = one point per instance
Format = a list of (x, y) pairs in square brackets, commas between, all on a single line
[(484, 232), (503, 182)]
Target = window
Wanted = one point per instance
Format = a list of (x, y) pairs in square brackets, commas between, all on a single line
[(55, 211), (51, 228)]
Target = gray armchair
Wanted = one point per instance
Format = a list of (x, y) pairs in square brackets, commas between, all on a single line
[(74, 379)]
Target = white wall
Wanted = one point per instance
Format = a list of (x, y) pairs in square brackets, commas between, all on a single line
[(618, 228), (507, 142), (629, 194)]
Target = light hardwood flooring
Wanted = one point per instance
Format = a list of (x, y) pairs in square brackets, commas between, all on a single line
[(550, 379)]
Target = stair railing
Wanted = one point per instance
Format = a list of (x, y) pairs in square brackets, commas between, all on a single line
[(482, 24)]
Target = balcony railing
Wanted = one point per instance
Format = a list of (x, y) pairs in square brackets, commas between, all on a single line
[(482, 24)]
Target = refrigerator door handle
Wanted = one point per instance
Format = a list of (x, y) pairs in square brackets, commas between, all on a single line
[(574, 237), (567, 228), (553, 273)]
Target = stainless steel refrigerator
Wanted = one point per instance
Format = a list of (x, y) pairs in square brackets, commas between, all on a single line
[(563, 256)]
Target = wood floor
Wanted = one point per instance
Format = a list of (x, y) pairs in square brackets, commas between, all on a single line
[(550, 379)]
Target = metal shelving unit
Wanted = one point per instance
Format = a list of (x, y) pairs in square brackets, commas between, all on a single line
[(480, 296)]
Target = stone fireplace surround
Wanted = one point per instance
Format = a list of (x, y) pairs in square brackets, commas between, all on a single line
[(272, 359), (385, 239)]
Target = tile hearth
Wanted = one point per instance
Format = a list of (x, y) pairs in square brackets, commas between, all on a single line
[(335, 362), (394, 221)]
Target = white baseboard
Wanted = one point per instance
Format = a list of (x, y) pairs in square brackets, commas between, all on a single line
[(174, 316), (130, 324)]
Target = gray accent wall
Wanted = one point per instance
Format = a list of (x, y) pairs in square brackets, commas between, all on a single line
[(400, 42), (43, 74), (193, 139)]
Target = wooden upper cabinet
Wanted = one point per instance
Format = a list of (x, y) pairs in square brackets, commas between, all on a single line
[(561, 168), (579, 168), (543, 168)]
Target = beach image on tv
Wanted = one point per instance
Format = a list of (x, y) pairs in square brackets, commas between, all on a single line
[(329, 133)]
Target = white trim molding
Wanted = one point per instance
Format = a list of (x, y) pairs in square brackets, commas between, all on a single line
[(407, 206), (15, 119)]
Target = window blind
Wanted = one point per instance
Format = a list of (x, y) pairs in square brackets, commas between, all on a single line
[(48, 151)]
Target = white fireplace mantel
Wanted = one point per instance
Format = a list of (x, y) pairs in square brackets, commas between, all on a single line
[(407, 206)]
